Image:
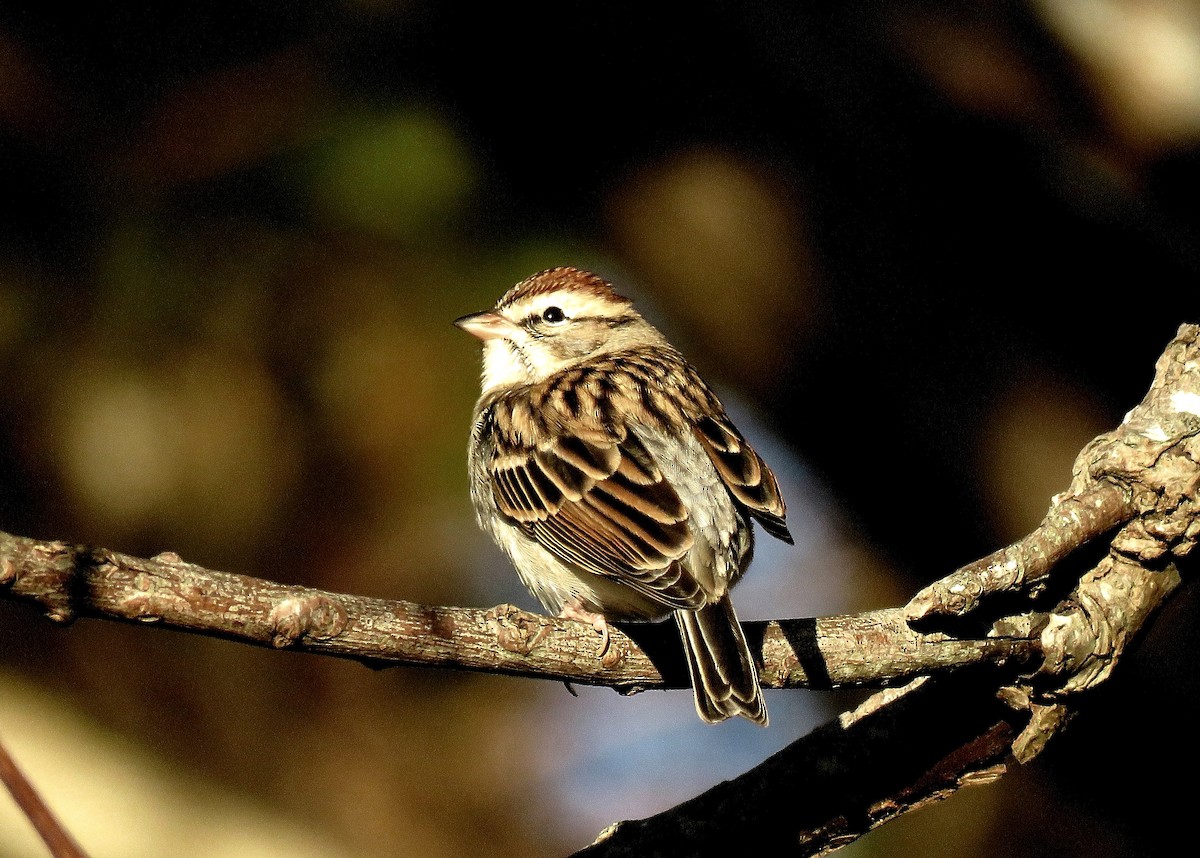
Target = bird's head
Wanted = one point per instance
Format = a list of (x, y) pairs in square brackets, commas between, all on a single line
[(551, 321)]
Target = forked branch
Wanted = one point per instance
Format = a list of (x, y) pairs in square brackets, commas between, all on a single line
[(1133, 498)]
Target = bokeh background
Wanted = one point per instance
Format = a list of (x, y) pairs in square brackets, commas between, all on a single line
[(925, 250)]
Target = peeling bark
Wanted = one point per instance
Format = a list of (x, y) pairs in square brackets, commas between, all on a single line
[(67, 582), (996, 696), (1135, 495)]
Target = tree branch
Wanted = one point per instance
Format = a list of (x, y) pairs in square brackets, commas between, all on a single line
[(67, 581), (1135, 498), (901, 750)]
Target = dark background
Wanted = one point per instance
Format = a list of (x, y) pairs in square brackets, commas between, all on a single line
[(932, 247)]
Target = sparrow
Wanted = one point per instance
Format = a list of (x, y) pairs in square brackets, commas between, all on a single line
[(610, 474)]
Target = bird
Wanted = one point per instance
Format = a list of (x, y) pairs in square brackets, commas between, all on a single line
[(610, 474)]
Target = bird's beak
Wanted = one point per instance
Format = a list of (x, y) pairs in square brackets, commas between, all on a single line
[(487, 326)]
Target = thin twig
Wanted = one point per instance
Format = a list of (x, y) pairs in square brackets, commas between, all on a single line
[(56, 838)]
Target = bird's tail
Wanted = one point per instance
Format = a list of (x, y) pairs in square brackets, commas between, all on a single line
[(724, 678)]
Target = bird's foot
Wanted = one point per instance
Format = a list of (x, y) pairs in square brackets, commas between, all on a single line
[(573, 611)]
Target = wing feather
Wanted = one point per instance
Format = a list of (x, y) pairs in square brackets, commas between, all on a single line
[(744, 473), (601, 503)]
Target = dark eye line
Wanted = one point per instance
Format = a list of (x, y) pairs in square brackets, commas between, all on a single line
[(618, 322)]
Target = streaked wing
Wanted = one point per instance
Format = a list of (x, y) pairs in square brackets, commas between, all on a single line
[(601, 503), (745, 474)]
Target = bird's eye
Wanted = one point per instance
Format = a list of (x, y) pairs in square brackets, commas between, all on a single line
[(554, 315)]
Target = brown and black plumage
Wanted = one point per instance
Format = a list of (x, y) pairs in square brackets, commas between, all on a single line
[(611, 475)]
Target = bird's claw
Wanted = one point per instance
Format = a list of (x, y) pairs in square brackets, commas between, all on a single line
[(596, 621)]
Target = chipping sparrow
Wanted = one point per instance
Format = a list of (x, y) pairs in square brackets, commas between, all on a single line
[(610, 474)]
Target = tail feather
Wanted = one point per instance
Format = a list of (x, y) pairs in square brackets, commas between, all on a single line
[(724, 679)]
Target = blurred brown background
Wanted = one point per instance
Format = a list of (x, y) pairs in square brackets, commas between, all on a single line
[(925, 250)]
